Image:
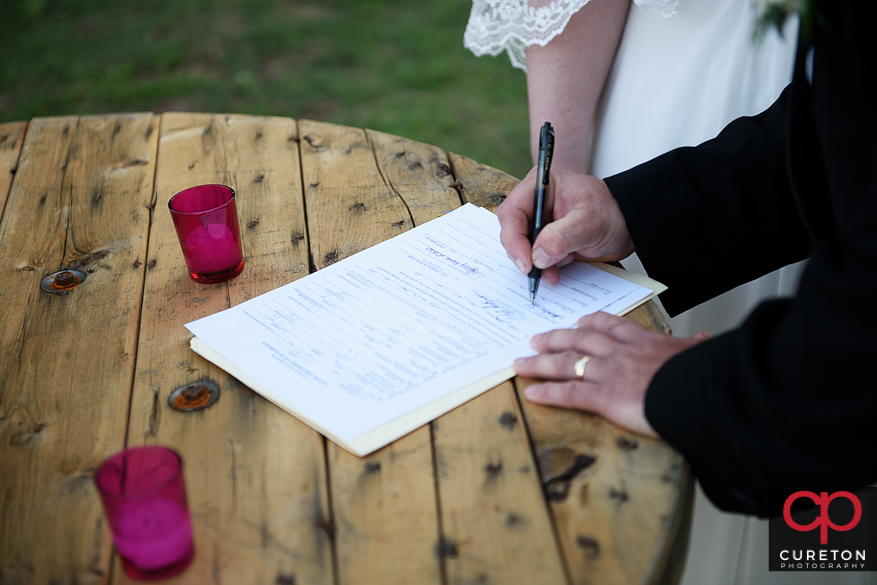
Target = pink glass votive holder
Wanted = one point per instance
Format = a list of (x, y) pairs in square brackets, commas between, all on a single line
[(206, 221), (144, 497)]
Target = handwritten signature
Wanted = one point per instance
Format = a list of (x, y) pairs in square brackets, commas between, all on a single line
[(498, 310), (461, 266)]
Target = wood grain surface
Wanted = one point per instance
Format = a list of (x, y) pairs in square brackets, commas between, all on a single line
[(386, 522), (494, 521), (11, 140), (79, 200), (256, 477), (496, 491)]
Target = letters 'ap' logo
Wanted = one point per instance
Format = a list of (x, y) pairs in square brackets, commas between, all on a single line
[(822, 521)]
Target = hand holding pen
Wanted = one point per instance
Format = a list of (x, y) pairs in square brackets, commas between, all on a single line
[(580, 219), (546, 151)]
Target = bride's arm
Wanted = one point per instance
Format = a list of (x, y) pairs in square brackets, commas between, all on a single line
[(565, 79)]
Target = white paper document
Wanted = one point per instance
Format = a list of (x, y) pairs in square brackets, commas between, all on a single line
[(372, 347)]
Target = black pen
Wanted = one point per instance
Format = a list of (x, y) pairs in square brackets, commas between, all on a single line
[(546, 150)]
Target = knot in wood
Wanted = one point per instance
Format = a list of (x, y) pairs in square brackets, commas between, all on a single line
[(493, 468), (312, 142), (563, 463), (26, 436), (589, 544), (619, 495), (497, 198), (89, 259), (447, 548), (509, 420), (326, 527), (626, 444), (557, 487)]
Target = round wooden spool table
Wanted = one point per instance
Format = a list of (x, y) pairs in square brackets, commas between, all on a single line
[(497, 491)]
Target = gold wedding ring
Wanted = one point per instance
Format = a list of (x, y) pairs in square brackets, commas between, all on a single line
[(580, 366)]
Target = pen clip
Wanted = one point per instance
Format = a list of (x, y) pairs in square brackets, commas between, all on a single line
[(546, 151)]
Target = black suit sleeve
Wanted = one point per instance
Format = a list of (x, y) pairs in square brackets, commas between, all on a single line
[(706, 219), (790, 397)]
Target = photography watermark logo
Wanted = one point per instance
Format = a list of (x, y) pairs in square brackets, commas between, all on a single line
[(823, 529)]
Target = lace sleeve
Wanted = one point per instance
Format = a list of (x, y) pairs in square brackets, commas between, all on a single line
[(513, 25)]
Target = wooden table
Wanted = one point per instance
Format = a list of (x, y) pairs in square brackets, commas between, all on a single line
[(496, 491)]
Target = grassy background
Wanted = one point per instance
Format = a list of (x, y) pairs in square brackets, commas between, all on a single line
[(397, 66)]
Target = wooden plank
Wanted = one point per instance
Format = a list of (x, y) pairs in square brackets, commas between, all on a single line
[(386, 523), (495, 522), (419, 173), (620, 501), (384, 506), (256, 477), (11, 139), (79, 200), (480, 184), (349, 207)]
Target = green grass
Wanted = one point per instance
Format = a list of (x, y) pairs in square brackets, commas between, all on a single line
[(393, 65)]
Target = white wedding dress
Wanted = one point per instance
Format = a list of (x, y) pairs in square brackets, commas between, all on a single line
[(684, 69)]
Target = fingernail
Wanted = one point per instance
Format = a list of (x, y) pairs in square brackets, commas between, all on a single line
[(534, 339), (541, 259), (521, 266), (531, 392)]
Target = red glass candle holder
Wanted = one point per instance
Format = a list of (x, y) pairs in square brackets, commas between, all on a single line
[(206, 221), (144, 497)]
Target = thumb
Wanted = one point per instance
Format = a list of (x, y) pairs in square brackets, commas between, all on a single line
[(559, 239)]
